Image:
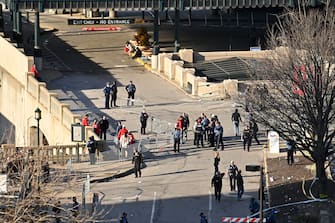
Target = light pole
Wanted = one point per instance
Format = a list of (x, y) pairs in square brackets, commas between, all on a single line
[(38, 117)]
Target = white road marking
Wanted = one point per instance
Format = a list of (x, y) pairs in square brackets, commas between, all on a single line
[(210, 206), (153, 208)]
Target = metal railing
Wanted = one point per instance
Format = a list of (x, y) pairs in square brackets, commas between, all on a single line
[(140, 5)]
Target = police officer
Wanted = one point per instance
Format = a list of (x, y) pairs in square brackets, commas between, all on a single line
[(137, 160), (131, 89), (143, 120), (247, 137), (113, 93), (123, 218), (198, 133), (232, 171), (107, 91), (217, 183)]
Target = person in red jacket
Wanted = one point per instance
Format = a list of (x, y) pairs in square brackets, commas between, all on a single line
[(132, 138), (179, 125), (122, 131), (85, 121), (34, 70)]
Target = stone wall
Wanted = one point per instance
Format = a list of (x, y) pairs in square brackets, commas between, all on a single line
[(21, 94)]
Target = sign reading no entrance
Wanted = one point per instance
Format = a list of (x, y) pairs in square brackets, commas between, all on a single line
[(100, 21)]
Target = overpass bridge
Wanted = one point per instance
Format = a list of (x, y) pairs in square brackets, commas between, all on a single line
[(148, 5)]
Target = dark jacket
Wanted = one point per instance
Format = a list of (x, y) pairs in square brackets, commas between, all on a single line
[(137, 159), (217, 181), (239, 181), (91, 145), (103, 124)]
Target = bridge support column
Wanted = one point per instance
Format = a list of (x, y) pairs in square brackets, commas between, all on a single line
[(176, 30), (155, 49), (2, 29), (37, 49), (13, 17), (19, 38)]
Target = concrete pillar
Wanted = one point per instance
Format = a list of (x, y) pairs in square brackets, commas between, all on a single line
[(37, 49), (176, 31), (154, 62)]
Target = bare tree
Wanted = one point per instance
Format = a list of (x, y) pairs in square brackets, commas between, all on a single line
[(36, 195), (298, 99)]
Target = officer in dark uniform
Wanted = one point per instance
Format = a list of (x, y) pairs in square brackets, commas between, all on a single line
[(131, 89), (107, 91), (113, 93), (199, 131), (247, 137), (217, 183), (232, 172), (137, 160)]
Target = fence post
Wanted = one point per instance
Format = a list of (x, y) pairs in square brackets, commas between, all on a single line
[(78, 156)]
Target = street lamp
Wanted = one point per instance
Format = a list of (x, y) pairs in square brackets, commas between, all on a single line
[(38, 117)]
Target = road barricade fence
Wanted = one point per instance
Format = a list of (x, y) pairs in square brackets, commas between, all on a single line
[(242, 219)]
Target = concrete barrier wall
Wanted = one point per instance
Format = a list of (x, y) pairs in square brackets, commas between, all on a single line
[(201, 56), (21, 94), (198, 86), (13, 60)]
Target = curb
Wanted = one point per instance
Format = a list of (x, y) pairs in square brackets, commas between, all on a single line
[(116, 176)]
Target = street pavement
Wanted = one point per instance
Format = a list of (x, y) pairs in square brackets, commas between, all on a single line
[(174, 187)]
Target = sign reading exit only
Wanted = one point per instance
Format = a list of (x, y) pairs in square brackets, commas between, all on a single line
[(100, 21)]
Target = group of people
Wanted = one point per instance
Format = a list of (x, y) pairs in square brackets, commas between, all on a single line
[(100, 127), (110, 91), (235, 178)]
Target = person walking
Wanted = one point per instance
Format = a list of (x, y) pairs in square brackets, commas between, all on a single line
[(236, 118), (143, 120), (218, 133), (124, 142), (104, 125), (176, 138), (123, 218), (291, 148), (113, 93), (107, 91), (122, 131), (217, 183), (216, 161), (240, 185), (203, 218), (137, 161), (92, 147), (131, 89), (232, 172), (254, 128), (246, 137)]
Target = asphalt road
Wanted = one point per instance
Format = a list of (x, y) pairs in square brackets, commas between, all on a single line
[(174, 187)]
